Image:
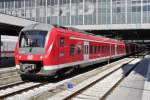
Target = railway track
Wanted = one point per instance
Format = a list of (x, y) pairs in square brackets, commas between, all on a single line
[(2, 87), (99, 86), (9, 75), (50, 90), (17, 88)]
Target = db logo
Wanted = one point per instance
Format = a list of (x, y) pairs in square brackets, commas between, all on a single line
[(30, 57)]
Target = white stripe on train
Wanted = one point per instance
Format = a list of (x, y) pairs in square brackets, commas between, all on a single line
[(81, 63)]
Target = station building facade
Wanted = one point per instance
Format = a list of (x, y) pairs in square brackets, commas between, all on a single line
[(80, 12)]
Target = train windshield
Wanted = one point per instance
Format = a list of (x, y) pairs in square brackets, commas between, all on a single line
[(32, 39)]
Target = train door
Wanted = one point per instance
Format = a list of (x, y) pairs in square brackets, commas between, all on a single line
[(86, 51)]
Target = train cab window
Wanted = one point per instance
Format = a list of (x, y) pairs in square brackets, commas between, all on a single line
[(72, 50), (35, 39), (62, 41)]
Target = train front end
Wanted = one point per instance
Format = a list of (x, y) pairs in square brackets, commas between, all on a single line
[(30, 52)]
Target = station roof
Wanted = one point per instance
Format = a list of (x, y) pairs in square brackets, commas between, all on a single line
[(12, 30), (11, 25), (138, 34)]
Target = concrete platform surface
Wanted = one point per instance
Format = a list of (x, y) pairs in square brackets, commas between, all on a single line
[(136, 86)]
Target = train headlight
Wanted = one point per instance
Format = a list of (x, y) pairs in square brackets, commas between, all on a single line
[(19, 57), (41, 57)]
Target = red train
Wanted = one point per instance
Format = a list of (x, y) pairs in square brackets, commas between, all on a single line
[(48, 50)]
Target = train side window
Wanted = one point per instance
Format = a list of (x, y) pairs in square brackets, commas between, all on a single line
[(95, 49), (99, 49), (91, 49), (62, 41), (102, 49), (107, 49), (79, 49), (72, 50), (87, 49)]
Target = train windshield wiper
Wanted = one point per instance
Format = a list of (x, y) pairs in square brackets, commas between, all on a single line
[(31, 48), (31, 45)]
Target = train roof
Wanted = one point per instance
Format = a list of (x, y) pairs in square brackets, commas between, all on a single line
[(38, 26), (81, 31), (77, 30), (47, 27)]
